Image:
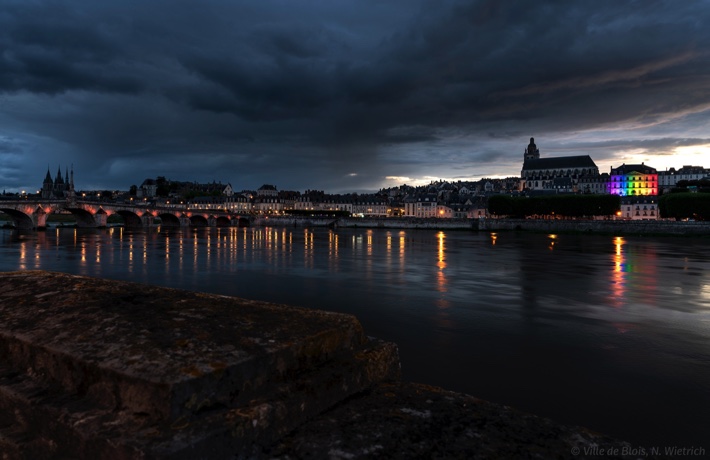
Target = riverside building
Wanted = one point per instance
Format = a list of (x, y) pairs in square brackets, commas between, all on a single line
[(668, 179), (639, 207)]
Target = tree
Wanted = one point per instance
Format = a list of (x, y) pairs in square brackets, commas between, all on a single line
[(560, 205), (685, 206), (163, 186)]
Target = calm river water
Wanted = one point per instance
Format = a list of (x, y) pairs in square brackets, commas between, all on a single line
[(607, 332)]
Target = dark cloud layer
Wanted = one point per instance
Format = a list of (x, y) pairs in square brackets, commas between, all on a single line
[(342, 94)]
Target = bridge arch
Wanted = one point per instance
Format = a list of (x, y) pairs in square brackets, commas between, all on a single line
[(83, 217), (222, 221), (19, 218), (169, 220), (198, 221), (130, 218)]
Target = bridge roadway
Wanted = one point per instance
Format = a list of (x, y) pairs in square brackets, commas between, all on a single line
[(32, 214)]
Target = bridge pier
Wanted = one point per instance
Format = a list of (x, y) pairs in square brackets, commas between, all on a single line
[(100, 218), (185, 221), (147, 220), (39, 219), (211, 221)]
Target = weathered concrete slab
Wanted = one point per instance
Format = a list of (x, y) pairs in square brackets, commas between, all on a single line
[(71, 425), (123, 370), (169, 351), (404, 421)]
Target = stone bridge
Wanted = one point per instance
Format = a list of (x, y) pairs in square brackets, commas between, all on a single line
[(32, 214)]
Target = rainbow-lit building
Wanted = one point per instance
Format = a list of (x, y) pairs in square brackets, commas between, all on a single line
[(633, 180)]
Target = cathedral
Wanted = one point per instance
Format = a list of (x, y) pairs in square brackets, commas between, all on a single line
[(58, 188), (561, 174)]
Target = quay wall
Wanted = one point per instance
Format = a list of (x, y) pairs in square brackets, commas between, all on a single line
[(409, 223), (626, 227), (356, 222), (660, 227)]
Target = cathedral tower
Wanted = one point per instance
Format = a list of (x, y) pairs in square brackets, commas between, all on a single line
[(532, 152), (47, 186)]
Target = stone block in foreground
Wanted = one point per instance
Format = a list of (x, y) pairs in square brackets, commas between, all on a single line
[(91, 368), (94, 369)]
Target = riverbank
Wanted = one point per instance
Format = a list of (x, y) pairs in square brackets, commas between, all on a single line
[(406, 223), (615, 227), (93, 368)]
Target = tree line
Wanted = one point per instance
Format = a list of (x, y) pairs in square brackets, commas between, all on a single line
[(559, 205), (685, 205), (678, 205)]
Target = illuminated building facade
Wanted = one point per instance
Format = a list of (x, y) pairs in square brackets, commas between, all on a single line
[(234, 203), (422, 206), (633, 180)]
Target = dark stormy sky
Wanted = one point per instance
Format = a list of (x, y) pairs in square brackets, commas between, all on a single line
[(345, 95)]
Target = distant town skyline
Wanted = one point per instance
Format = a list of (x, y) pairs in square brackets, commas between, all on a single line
[(345, 96)]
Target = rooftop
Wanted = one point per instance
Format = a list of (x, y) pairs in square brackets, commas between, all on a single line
[(580, 161)]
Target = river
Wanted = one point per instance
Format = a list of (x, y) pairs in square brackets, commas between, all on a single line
[(612, 333)]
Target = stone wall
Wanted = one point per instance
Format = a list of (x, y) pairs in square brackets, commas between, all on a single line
[(660, 227), (356, 222)]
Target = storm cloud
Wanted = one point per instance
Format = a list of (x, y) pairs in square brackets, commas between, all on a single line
[(340, 95)]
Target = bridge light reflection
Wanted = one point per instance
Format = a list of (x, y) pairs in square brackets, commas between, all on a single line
[(552, 238), (402, 244), (441, 280), (618, 275), (23, 254)]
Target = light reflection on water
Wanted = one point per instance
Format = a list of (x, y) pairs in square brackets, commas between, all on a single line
[(608, 332)]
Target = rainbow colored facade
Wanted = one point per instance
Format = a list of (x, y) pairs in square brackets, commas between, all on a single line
[(633, 180)]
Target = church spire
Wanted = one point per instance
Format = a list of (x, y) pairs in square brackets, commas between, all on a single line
[(47, 185), (59, 179)]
